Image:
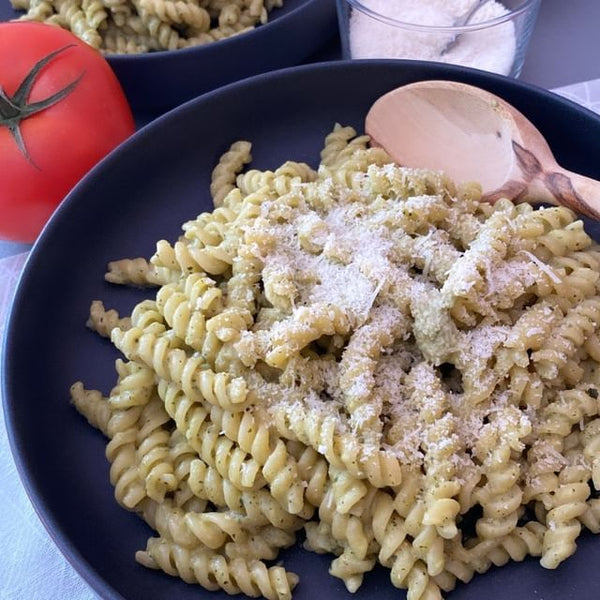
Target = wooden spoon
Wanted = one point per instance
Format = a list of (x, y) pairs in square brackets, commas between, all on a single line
[(472, 135)]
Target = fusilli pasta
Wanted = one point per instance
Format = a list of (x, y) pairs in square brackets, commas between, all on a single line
[(137, 26), (362, 351)]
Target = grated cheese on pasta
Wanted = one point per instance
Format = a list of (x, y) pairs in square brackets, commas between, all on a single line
[(366, 353)]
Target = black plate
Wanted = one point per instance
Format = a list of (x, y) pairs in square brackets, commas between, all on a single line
[(143, 192), (156, 81)]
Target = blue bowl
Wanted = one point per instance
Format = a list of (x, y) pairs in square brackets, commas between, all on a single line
[(142, 192), (157, 81)]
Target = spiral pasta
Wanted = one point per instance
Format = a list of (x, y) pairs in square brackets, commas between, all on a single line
[(137, 26), (361, 351), (213, 570)]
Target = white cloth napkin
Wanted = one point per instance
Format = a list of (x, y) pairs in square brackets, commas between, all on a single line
[(586, 94), (31, 567)]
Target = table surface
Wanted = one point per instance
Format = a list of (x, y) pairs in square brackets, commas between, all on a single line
[(565, 46)]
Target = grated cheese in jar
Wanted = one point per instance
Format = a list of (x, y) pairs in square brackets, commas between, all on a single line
[(491, 49)]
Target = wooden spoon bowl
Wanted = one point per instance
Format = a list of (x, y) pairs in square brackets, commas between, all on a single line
[(473, 135)]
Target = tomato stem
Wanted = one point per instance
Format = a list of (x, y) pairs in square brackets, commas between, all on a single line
[(7, 108), (13, 110)]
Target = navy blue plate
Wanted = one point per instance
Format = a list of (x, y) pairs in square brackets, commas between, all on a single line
[(142, 192), (157, 81)]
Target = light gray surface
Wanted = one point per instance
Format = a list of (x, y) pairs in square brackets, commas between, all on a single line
[(10, 248), (564, 49), (565, 45)]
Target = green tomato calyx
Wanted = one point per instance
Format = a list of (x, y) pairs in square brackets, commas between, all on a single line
[(14, 109)]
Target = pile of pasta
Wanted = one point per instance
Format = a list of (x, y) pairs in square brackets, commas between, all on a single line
[(362, 356), (137, 26)]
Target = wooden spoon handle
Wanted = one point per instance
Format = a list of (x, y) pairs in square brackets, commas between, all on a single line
[(544, 180), (575, 191)]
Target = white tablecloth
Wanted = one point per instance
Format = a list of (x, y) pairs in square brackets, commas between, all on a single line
[(31, 567)]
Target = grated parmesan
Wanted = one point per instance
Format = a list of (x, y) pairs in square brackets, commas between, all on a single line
[(491, 49)]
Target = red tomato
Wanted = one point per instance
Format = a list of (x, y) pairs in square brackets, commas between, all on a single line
[(46, 148)]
